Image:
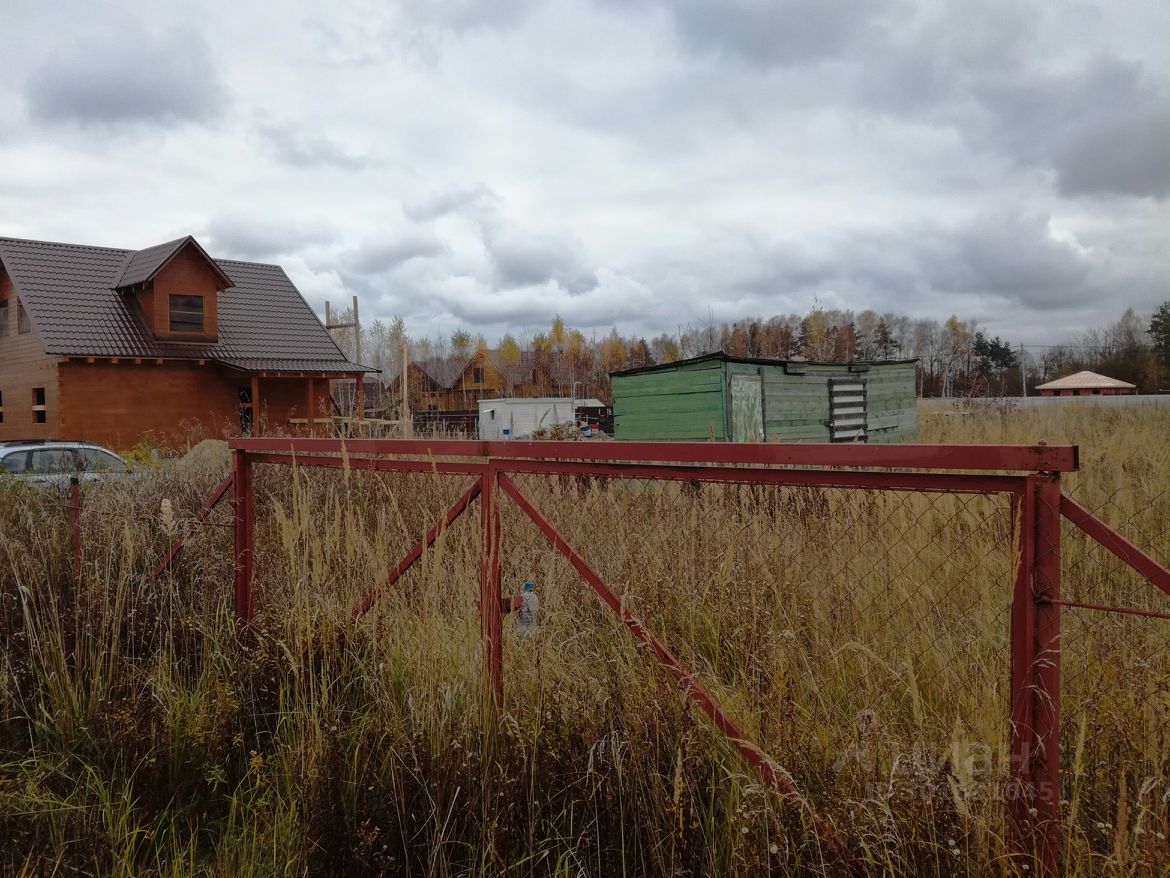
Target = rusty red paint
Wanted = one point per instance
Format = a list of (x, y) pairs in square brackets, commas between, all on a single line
[(926, 483), (1037, 506), (686, 680), (1125, 611), (1019, 458), (181, 542), (491, 620), (457, 509), (444, 467), (1115, 543), (768, 770)]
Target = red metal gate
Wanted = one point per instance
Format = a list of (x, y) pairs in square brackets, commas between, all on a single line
[(1028, 475)]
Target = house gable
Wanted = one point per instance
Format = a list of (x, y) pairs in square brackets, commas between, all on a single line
[(174, 290)]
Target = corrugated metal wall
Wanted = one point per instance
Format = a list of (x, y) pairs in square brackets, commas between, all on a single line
[(682, 403), (690, 402)]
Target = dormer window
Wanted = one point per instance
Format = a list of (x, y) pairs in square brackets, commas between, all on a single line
[(186, 313), (175, 286)]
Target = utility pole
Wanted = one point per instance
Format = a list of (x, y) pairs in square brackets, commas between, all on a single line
[(356, 326), (1023, 372)]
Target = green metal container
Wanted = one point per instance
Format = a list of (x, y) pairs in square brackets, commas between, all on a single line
[(716, 396)]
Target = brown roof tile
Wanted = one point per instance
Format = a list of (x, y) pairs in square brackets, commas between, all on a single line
[(69, 294), (142, 265)]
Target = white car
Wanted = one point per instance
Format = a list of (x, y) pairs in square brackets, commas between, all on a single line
[(55, 462)]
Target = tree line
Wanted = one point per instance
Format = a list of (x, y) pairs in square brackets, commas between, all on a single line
[(956, 357)]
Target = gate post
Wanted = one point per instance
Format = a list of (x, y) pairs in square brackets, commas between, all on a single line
[(1034, 806), (490, 616), (242, 518)]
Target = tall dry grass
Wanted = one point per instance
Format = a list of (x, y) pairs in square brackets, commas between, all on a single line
[(859, 638)]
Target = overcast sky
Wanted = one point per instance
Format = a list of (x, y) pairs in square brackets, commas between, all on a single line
[(642, 163)]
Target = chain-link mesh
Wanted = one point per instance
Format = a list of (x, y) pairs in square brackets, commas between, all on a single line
[(860, 637), (336, 536), (1116, 678)]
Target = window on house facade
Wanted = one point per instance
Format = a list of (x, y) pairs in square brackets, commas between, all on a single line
[(38, 407), (477, 375), (22, 324), (4, 318), (186, 313)]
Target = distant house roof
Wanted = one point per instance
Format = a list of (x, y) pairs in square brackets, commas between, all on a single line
[(72, 296), (758, 361), (1086, 381), (442, 370), (445, 372)]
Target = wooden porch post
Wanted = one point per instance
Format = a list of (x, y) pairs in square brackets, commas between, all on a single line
[(361, 395), (309, 400), (255, 404)]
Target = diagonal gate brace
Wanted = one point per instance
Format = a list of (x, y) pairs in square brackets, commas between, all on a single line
[(771, 773), (421, 546), (204, 511), (1115, 543)]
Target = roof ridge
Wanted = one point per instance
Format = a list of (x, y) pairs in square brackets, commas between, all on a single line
[(66, 244), (247, 262)]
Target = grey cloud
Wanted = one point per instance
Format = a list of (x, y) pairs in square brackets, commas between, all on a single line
[(236, 237), (468, 14), (765, 32), (490, 311), (111, 78), (379, 256), (1103, 129), (620, 300), (995, 258), (524, 259), (1011, 257), (1098, 123), (521, 257), (306, 148), (453, 199)]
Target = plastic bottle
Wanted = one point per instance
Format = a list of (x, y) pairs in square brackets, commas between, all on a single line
[(529, 610)]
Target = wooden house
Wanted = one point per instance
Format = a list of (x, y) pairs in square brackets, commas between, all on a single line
[(114, 345), (457, 384), (717, 396)]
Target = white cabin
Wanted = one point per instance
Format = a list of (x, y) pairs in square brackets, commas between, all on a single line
[(519, 417)]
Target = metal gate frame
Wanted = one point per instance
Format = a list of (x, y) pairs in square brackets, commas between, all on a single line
[(1028, 474)]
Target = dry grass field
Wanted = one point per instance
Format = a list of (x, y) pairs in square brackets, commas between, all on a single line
[(859, 637)]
